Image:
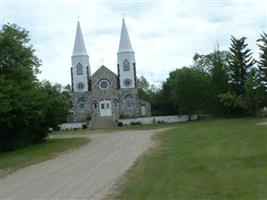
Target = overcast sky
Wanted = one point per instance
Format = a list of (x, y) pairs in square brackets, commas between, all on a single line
[(164, 34)]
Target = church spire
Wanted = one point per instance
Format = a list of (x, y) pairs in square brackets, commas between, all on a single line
[(79, 46), (125, 44)]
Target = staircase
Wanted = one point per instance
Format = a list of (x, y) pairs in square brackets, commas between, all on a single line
[(102, 122)]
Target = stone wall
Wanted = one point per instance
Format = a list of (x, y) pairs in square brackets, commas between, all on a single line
[(69, 126), (159, 119)]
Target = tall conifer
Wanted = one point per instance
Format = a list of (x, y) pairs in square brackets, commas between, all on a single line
[(240, 61), (262, 63)]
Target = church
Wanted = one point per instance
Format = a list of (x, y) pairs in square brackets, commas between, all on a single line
[(105, 94)]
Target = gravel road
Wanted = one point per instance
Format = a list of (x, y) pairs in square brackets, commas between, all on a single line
[(87, 173)]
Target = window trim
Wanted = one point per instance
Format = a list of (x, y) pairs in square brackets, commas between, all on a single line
[(101, 81)]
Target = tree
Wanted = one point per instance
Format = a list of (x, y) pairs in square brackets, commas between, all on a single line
[(255, 92), (27, 108), (152, 94), (219, 69), (262, 63), (202, 63), (240, 61), (187, 91), (243, 80), (214, 65), (143, 88), (58, 104)]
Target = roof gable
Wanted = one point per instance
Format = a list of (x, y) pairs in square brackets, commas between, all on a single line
[(101, 70)]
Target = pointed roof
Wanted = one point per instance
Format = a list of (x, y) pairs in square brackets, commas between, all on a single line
[(101, 69), (79, 46), (125, 44)]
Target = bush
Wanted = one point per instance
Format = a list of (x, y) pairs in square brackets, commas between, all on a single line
[(84, 126), (56, 128), (136, 123), (120, 124)]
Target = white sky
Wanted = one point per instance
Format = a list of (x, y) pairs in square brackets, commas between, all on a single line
[(164, 34)]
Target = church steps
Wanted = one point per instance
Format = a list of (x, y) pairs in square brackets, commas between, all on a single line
[(102, 122)]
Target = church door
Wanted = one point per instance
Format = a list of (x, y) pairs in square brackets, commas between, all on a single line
[(105, 108)]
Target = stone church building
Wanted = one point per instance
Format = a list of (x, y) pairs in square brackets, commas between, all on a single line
[(105, 93)]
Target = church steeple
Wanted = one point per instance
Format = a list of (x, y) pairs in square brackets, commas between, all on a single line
[(80, 69), (79, 46), (125, 44), (126, 61)]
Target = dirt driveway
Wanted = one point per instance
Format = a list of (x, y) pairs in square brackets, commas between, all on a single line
[(87, 173)]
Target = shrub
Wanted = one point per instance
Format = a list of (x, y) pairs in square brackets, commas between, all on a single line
[(120, 124), (84, 126), (135, 123), (56, 128)]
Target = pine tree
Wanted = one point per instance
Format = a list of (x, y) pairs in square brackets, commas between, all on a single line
[(262, 63), (240, 61)]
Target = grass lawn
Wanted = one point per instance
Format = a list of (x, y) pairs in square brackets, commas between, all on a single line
[(215, 159), (11, 161)]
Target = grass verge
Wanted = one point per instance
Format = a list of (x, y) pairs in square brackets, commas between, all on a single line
[(215, 159), (11, 161)]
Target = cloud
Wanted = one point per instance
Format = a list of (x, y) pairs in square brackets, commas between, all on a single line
[(164, 34)]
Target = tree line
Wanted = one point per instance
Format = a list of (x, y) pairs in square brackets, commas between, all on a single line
[(229, 83), (28, 107)]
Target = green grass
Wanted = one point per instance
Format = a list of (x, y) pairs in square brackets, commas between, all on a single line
[(215, 159), (11, 161)]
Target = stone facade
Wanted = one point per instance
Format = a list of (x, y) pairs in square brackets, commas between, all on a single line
[(87, 104), (105, 93)]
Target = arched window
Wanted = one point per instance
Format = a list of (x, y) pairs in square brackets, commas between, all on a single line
[(129, 101), (95, 105), (79, 69), (126, 65), (81, 103), (115, 101)]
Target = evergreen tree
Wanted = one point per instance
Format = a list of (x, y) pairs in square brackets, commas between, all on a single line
[(240, 61), (262, 63), (255, 97)]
